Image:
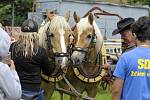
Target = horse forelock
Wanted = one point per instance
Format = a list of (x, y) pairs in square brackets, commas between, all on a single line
[(83, 27), (60, 27), (59, 22)]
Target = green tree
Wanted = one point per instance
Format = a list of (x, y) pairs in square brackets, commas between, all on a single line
[(139, 2), (5, 14), (22, 7)]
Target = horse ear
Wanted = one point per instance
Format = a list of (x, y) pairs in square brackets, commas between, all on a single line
[(67, 16), (90, 18), (49, 15), (76, 17)]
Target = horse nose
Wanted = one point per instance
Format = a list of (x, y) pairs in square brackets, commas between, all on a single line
[(74, 55), (77, 61), (64, 62)]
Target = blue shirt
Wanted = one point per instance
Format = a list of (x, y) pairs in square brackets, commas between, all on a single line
[(134, 68)]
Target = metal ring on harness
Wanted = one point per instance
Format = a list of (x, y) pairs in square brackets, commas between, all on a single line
[(60, 54)]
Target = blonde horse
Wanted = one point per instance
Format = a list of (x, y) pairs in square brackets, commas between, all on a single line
[(88, 55), (54, 36)]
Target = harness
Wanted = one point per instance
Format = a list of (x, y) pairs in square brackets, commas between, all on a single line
[(58, 73), (78, 68)]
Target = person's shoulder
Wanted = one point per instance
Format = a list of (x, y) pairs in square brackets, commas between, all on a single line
[(41, 48), (130, 51), (11, 46)]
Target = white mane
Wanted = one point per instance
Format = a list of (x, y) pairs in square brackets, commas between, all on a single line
[(99, 40), (42, 33)]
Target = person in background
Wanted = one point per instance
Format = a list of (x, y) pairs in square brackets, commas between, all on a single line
[(30, 59), (10, 88), (128, 40), (133, 68), (124, 28)]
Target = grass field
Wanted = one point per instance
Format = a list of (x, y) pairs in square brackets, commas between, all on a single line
[(101, 95)]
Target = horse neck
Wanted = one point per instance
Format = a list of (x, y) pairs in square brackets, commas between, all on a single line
[(91, 64)]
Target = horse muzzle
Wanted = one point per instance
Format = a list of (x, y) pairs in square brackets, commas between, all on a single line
[(77, 57), (61, 59)]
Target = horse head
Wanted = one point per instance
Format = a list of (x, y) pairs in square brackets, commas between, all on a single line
[(86, 33), (56, 37)]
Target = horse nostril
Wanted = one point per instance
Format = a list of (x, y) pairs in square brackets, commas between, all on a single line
[(77, 61)]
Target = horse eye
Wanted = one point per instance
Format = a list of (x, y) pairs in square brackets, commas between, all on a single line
[(89, 36), (51, 34)]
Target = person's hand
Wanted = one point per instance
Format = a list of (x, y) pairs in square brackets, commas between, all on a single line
[(12, 66), (7, 59), (106, 66)]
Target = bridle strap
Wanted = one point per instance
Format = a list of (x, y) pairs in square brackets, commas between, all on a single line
[(85, 50), (50, 47), (91, 45), (57, 54)]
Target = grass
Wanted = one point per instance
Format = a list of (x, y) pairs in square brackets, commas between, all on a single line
[(101, 95)]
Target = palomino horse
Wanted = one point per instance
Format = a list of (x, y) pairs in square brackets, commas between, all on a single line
[(88, 55), (54, 36)]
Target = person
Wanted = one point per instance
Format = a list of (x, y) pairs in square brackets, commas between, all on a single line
[(30, 59), (10, 88), (124, 28), (128, 40), (133, 68)]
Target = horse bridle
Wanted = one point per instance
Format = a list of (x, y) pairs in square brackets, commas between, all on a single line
[(50, 47), (92, 44), (87, 50)]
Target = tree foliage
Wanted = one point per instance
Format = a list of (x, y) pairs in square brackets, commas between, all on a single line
[(21, 8), (6, 1), (139, 2), (5, 14)]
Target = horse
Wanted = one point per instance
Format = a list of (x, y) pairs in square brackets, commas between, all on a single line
[(54, 36), (89, 55)]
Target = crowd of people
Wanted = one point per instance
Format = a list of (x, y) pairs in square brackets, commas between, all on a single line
[(21, 63)]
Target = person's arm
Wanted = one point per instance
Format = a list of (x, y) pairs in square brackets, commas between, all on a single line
[(9, 82), (47, 63), (117, 89), (119, 73)]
